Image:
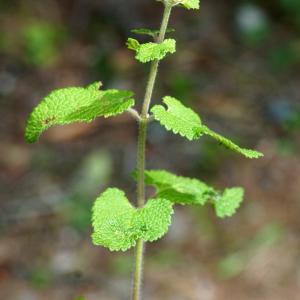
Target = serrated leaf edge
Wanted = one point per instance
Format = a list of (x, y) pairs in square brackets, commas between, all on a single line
[(136, 212)]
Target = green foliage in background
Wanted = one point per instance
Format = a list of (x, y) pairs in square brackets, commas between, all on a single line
[(80, 298), (40, 278), (41, 42), (253, 24), (292, 8), (36, 43), (285, 57), (237, 260)]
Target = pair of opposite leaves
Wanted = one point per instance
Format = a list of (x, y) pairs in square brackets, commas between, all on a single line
[(156, 51), (117, 225), (75, 104)]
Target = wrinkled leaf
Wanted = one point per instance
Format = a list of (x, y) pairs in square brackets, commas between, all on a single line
[(75, 104), (118, 225)]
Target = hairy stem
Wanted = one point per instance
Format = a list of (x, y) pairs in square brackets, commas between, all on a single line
[(142, 135), (138, 275), (155, 63), (141, 151)]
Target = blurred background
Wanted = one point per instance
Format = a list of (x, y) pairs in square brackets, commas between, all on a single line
[(238, 65)]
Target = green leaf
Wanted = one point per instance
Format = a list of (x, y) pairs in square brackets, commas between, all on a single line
[(184, 190), (133, 44), (75, 104), (190, 4), (154, 219), (150, 32), (227, 204), (113, 102), (118, 225), (151, 51), (178, 189), (230, 145), (154, 51), (112, 217), (184, 121), (178, 118)]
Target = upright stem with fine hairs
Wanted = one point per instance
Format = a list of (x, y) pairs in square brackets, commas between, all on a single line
[(155, 63), (142, 135)]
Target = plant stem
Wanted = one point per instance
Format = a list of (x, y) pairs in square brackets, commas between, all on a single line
[(141, 162), (155, 63), (138, 275), (134, 114), (142, 135)]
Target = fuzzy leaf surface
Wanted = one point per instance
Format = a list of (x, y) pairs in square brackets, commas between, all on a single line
[(178, 189), (154, 219), (227, 204), (187, 123), (75, 104), (118, 225), (178, 118), (230, 145), (112, 217), (112, 102), (184, 190), (151, 51)]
